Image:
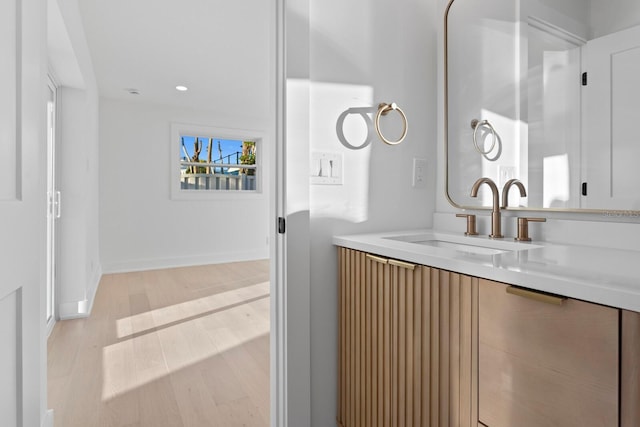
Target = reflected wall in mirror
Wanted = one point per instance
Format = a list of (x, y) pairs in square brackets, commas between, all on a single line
[(558, 81)]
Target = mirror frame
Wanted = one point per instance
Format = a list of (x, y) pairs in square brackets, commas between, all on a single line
[(446, 146)]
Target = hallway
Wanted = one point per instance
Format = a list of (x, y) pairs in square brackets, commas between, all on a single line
[(175, 347)]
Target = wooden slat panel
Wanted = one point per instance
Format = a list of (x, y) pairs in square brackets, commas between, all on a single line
[(435, 348), (380, 353), (444, 391), (425, 389), (361, 265), (342, 339), (418, 368), (454, 349), (352, 340), (393, 385), (374, 350), (387, 315), (341, 334), (410, 340), (474, 350), (465, 351), (402, 343), (367, 345), (630, 370)]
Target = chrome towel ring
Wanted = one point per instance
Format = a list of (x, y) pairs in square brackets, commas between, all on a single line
[(383, 110), (477, 124)]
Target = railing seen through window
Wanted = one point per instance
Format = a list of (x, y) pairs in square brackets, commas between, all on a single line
[(209, 163)]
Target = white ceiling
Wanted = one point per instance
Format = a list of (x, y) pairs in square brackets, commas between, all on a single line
[(220, 50)]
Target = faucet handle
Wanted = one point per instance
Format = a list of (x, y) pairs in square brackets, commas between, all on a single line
[(523, 228), (471, 224)]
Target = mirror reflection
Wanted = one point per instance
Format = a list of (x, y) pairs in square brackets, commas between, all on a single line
[(545, 91)]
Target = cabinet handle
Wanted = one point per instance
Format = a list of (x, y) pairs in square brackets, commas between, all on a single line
[(402, 264), (377, 259), (536, 296)]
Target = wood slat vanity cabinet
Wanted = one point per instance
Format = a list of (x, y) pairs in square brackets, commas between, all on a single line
[(407, 351), (420, 346)]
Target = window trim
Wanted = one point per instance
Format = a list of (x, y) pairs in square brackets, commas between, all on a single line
[(179, 130)]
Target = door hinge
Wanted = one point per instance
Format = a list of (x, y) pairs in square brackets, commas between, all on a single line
[(584, 78), (281, 225), (584, 188)]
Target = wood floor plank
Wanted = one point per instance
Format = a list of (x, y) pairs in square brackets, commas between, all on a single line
[(176, 347), (197, 407)]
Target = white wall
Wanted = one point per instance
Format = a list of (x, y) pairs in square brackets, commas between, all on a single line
[(140, 226), (361, 53), (78, 260)]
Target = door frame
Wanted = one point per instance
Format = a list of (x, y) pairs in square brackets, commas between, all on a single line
[(290, 268), (53, 206), (278, 249)]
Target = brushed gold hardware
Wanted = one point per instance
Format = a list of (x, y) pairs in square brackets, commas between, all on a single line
[(377, 259), (402, 264), (471, 224), (523, 228), (536, 296), (507, 187), (383, 110), (496, 232)]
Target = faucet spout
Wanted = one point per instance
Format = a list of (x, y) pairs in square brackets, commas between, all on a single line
[(496, 226), (507, 186)]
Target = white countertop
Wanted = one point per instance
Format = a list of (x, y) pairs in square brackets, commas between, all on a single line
[(605, 276)]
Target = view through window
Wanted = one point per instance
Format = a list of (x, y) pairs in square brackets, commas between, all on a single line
[(210, 163)]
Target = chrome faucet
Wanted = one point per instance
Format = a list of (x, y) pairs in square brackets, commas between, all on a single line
[(505, 191), (496, 232)]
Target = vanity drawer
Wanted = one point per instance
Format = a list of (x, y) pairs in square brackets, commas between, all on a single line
[(542, 364)]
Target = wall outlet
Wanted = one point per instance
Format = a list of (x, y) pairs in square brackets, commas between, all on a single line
[(505, 173), (419, 173)]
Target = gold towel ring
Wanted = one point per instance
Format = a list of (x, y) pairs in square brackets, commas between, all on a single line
[(383, 109)]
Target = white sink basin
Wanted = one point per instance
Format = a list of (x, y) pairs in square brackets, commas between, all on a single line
[(461, 247), (464, 244)]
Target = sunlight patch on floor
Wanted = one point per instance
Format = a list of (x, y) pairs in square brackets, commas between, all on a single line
[(160, 317), (164, 341)]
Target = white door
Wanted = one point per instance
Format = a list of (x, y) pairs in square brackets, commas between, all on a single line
[(22, 208), (612, 116)]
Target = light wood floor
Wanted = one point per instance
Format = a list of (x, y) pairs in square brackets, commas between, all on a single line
[(176, 347)]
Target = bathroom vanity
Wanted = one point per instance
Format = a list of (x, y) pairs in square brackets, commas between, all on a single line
[(439, 329)]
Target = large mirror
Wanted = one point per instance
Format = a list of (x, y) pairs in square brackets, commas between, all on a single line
[(548, 92)]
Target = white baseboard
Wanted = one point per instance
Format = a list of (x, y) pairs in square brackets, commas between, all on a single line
[(48, 419), (80, 309), (183, 261)]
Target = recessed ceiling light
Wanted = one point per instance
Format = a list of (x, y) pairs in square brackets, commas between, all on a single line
[(182, 88)]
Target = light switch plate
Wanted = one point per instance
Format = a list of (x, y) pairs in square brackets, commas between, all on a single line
[(419, 173), (326, 168)]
